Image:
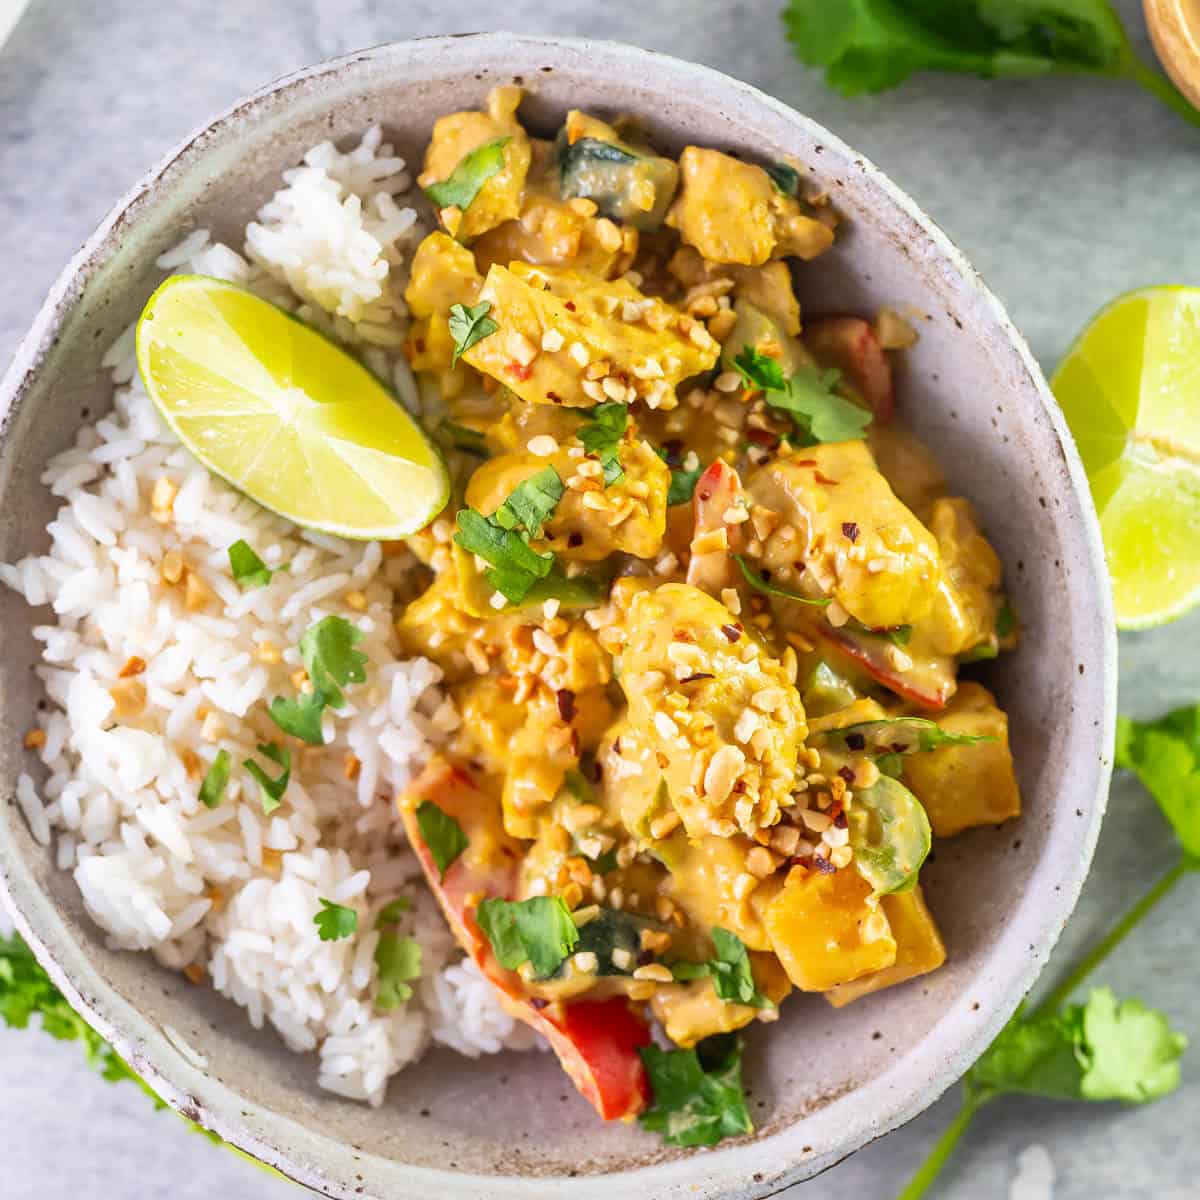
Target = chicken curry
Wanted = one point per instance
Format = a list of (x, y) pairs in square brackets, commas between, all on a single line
[(702, 601)]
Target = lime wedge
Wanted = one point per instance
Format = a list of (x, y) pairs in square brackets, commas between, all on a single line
[(285, 415), (1130, 389)]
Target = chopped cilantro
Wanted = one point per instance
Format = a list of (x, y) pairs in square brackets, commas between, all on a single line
[(300, 717), (807, 396), (601, 435), (335, 921), (683, 481), (899, 735), (212, 789), (391, 912), (468, 326), (531, 503), (538, 931), (472, 171), (756, 581), (697, 1093), (272, 789), (399, 961), (442, 834), (248, 569), (733, 980), (330, 658)]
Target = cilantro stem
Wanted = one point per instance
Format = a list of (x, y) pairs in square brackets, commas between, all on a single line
[(1161, 87), (931, 1168), (1107, 944)]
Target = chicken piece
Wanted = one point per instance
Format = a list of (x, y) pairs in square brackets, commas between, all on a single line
[(443, 274), (437, 625), (767, 287), (690, 1012), (827, 930), (845, 526), (587, 526), (574, 339), (732, 213), (919, 948), (721, 715), (964, 786), (454, 137), (911, 471)]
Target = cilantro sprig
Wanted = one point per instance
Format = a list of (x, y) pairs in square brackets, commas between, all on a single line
[(212, 787), (759, 584), (871, 45), (733, 980), (469, 325), (698, 1098), (818, 413), (335, 921), (398, 960), (601, 435), (471, 172), (503, 539), (332, 662), (1102, 1049), (248, 569), (272, 789), (442, 834)]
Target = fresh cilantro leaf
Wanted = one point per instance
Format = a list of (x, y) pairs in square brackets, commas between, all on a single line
[(539, 931), (601, 435), (248, 569), (398, 960), (574, 591), (330, 658), (335, 921), (391, 912), (614, 930), (759, 584), (215, 778), (272, 789), (870, 45), (807, 396), (760, 370), (899, 735), (300, 717), (785, 178), (683, 485), (733, 979), (531, 503), (1100, 1050), (697, 1093), (469, 326), (442, 834), (1165, 754), (473, 170)]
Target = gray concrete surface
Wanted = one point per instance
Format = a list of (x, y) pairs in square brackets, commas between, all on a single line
[(1063, 192)]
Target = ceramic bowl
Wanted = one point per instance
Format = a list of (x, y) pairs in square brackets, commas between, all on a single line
[(823, 1083)]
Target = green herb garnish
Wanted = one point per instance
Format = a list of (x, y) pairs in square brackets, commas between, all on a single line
[(212, 789), (335, 921), (248, 569), (300, 717), (391, 912), (468, 326), (399, 961), (330, 658), (538, 931), (807, 396), (786, 179), (698, 1096), (442, 834), (759, 584), (272, 789), (601, 435), (733, 980), (899, 735), (870, 45), (473, 170)]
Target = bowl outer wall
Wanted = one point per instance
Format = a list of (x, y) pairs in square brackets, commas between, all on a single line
[(971, 387)]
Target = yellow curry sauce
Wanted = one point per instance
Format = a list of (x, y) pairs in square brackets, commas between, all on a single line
[(705, 650)]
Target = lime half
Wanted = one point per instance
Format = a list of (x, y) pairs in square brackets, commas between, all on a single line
[(1130, 389), (285, 415)]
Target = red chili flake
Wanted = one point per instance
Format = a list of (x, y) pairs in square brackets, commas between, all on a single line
[(850, 530), (799, 567), (847, 773), (419, 344), (806, 462), (739, 787), (574, 539), (762, 437), (732, 632), (554, 397), (825, 479), (697, 677), (515, 369), (855, 741), (823, 865), (704, 495), (840, 820), (565, 698), (569, 306), (645, 957), (538, 1003)]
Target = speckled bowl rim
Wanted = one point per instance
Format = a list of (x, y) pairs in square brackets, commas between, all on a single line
[(774, 1162)]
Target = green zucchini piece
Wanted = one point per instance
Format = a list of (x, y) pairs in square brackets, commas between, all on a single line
[(828, 691), (615, 178), (890, 836)]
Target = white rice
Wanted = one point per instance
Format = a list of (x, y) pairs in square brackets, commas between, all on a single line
[(229, 889)]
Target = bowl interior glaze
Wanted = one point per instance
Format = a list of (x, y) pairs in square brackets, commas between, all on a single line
[(822, 1082)]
